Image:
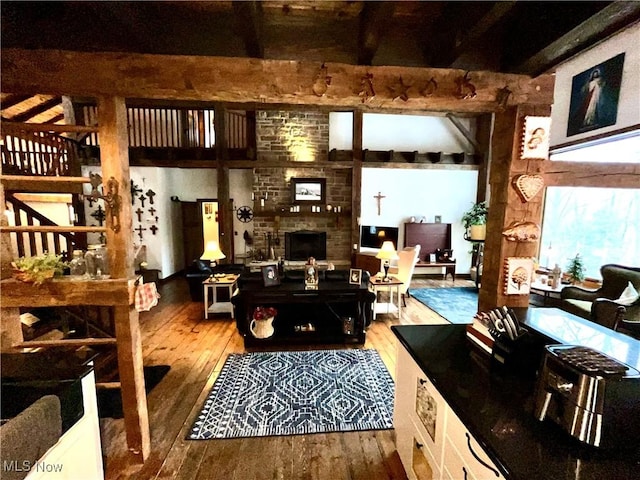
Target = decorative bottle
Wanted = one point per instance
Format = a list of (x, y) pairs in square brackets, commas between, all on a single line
[(556, 274)]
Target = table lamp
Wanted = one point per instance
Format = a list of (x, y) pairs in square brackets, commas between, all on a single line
[(387, 252), (212, 253)]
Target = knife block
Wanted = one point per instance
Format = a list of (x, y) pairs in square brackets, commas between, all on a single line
[(517, 355)]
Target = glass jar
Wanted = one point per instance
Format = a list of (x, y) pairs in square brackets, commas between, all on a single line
[(102, 262), (90, 259), (78, 265)]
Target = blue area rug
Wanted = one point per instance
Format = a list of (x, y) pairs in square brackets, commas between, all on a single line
[(288, 393), (457, 305)]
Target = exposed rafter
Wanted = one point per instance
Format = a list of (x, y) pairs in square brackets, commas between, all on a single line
[(13, 100), (249, 21), (610, 19), (37, 110), (373, 19)]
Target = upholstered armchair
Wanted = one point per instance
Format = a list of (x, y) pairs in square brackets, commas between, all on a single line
[(601, 305), (407, 259)]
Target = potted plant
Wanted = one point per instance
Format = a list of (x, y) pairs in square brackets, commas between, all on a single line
[(475, 221), (39, 268), (575, 270)]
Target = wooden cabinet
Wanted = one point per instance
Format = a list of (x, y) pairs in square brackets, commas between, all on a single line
[(431, 441), (367, 261)]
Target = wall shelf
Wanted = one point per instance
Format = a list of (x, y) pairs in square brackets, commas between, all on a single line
[(307, 214)]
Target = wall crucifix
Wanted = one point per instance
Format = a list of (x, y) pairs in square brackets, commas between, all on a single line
[(379, 198)]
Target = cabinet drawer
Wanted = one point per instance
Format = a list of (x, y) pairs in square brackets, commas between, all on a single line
[(475, 459), (454, 467), (416, 460)]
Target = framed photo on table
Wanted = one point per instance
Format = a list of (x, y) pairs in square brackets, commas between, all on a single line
[(355, 276), (270, 275)]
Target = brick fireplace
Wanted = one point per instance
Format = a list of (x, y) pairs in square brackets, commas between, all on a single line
[(301, 137)]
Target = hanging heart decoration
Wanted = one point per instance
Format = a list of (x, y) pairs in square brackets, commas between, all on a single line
[(528, 186)]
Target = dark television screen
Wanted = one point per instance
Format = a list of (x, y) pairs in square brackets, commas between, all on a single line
[(373, 235), (303, 244)]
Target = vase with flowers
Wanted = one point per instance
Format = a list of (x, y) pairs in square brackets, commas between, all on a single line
[(262, 323)]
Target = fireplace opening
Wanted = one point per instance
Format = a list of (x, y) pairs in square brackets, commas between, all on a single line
[(303, 244)]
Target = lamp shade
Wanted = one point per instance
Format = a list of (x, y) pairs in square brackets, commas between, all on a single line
[(212, 252), (387, 251)]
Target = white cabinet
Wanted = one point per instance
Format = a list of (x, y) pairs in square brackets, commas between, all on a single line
[(431, 441), (78, 453)]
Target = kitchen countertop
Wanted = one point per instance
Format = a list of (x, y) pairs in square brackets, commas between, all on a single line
[(497, 404), (26, 377)]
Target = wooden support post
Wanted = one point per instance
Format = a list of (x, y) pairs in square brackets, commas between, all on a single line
[(356, 183), (10, 329), (224, 202), (114, 153), (505, 206)]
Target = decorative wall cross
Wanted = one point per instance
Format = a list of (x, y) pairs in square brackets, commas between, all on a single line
[(142, 198), (151, 194), (134, 191), (379, 198), (153, 229), (99, 215), (140, 230), (139, 212), (152, 211)]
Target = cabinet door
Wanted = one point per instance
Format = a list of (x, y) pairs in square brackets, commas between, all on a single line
[(476, 461), (454, 467), (425, 406)]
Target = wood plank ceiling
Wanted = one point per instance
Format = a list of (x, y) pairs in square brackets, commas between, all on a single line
[(507, 36)]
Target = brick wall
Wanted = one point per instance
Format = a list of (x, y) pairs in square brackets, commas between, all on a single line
[(295, 136), (287, 136)]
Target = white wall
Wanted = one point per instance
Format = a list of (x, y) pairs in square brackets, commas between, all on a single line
[(420, 193), (627, 42), (409, 133)]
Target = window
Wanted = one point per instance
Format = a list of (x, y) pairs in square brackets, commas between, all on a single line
[(601, 224)]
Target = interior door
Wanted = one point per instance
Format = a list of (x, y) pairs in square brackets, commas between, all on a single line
[(192, 232)]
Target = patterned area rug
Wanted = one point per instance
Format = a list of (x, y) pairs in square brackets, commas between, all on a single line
[(457, 305), (288, 393)]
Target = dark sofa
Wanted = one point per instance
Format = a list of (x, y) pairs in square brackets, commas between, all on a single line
[(600, 306), (200, 270)]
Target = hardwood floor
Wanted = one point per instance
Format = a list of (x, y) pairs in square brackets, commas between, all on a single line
[(176, 334)]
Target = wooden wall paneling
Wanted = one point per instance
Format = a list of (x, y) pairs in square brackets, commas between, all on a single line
[(114, 154), (250, 80)]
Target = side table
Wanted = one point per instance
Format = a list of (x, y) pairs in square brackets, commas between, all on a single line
[(230, 282), (377, 285), (546, 291)]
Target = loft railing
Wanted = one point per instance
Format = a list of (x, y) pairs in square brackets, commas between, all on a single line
[(174, 127), (38, 153)]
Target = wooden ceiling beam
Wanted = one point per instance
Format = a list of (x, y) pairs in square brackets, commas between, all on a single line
[(249, 22), (607, 21), (496, 15), (37, 110), (374, 18), (243, 80)]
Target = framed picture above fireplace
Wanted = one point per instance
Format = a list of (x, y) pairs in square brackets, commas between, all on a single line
[(308, 190)]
